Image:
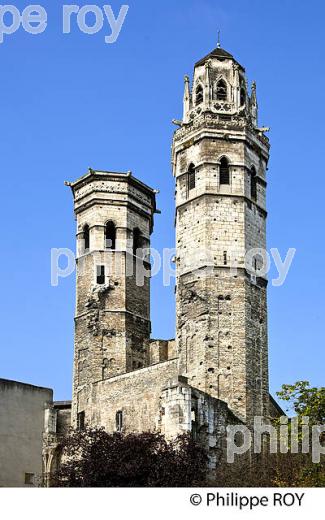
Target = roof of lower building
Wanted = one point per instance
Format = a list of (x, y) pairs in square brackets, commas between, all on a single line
[(11, 382), (276, 405), (62, 404)]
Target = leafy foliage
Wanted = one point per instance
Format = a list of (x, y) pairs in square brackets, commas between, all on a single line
[(95, 458), (283, 469), (305, 400), (298, 469)]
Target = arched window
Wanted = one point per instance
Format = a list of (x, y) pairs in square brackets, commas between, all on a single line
[(137, 240), (199, 95), (86, 237), (221, 90), (191, 176), (224, 171), (253, 183), (110, 235), (242, 96)]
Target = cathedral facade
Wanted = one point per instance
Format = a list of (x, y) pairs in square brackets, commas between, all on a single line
[(215, 371)]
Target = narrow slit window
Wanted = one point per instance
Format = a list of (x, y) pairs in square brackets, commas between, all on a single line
[(100, 274), (86, 237), (253, 184), (81, 421), (119, 421), (242, 96), (191, 177), (224, 171), (225, 260)]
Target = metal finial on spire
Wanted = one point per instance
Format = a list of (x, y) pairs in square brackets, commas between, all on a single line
[(218, 44)]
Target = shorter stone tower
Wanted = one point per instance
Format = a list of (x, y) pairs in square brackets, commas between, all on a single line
[(114, 213)]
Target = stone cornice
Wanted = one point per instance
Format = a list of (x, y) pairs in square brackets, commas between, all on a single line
[(94, 175), (227, 195), (260, 281), (230, 130), (112, 311)]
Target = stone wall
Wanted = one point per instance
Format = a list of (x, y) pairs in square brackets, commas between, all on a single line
[(221, 323), (161, 350), (136, 394)]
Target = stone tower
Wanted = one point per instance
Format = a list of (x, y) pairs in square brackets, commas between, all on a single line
[(219, 161), (114, 213), (215, 372)]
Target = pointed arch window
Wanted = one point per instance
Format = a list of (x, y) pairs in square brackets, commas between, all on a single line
[(86, 237), (242, 96), (224, 171), (253, 183), (199, 95), (191, 177), (221, 90), (110, 235)]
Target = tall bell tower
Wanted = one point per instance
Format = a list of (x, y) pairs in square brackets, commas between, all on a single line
[(219, 159)]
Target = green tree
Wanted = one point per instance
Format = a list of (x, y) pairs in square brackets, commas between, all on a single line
[(305, 401), (298, 469), (283, 469)]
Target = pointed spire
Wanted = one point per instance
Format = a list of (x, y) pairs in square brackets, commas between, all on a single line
[(218, 44), (207, 82), (253, 92), (254, 105), (186, 99)]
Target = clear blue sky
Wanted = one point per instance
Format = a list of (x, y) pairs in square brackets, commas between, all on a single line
[(71, 101)]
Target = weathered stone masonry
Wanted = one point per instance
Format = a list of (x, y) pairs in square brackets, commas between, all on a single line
[(220, 215), (215, 372), (112, 320)]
